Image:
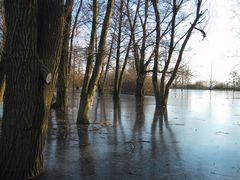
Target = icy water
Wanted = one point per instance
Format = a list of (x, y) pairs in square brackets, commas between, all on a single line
[(198, 137)]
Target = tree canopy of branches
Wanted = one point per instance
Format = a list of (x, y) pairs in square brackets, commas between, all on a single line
[(171, 41)]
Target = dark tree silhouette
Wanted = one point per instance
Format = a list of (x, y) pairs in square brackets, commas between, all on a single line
[(33, 46)]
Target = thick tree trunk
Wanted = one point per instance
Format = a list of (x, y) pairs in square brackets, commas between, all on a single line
[(63, 73), (34, 30)]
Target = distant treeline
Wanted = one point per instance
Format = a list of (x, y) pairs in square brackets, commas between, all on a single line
[(204, 86), (129, 84)]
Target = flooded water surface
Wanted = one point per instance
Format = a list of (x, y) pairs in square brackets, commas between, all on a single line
[(198, 137)]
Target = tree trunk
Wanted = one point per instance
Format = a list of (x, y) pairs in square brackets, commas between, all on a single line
[(63, 73), (2, 80), (72, 36), (2, 89), (139, 92), (34, 31), (100, 85), (85, 101), (120, 81), (97, 67), (156, 58), (2, 62), (108, 63), (116, 91)]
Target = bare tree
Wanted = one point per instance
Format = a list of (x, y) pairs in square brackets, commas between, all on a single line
[(142, 44), (179, 36), (90, 85)]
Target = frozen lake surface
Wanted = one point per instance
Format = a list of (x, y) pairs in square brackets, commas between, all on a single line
[(197, 138)]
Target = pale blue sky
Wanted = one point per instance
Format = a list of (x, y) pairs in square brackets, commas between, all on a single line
[(221, 47)]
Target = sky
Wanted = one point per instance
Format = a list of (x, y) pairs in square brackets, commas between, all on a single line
[(220, 50)]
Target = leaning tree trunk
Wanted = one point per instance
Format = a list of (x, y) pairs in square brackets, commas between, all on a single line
[(33, 43), (93, 81), (63, 71), (103, 79), (85, 103)]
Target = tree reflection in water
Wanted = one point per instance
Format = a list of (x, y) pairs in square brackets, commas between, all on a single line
[(164, 145), (131, 140), (87, 161)]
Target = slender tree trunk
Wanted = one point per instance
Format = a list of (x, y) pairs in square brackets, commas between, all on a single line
[(72, 36), (156, 58), (100, 87), (2, 79), (124, 67), (139, 91), (139, 52), (63, 71), (2, 90), (141, 73), (85, 102), (108, 62), (33, 43), (116, 79), (84, 107)]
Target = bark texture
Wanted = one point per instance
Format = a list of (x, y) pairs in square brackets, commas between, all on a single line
[(34, 33)]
